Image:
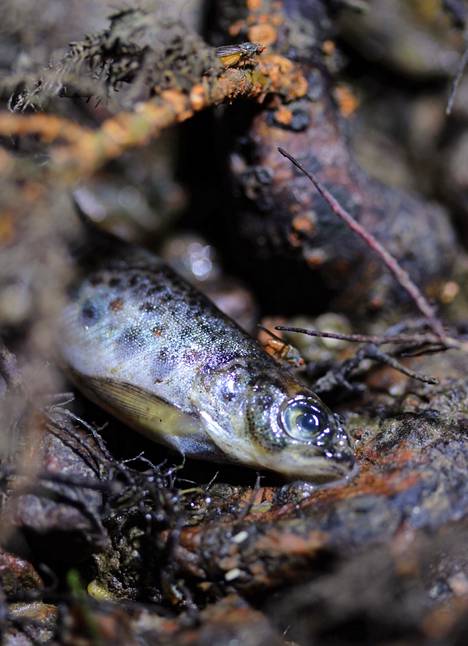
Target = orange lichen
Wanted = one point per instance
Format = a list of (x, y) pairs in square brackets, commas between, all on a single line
[(178, 101), (315, 258), (294, 239), (277, 19), (347, 101), (449, 291), (328, 47), (283, 115), (303, 224), (265, 34), (80, 151), (284, 75), (198, 97), (291, 543)]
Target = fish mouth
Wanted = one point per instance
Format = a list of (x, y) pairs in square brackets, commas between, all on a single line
[(318, 468), (328, 456)]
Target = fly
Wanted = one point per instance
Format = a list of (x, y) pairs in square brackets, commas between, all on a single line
[(232, 55)]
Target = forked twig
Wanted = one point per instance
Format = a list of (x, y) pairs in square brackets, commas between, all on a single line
[(341, 375), (416, 344), (392, 264)]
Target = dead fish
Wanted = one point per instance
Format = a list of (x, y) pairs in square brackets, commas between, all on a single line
[(150, 349), (231, 55)]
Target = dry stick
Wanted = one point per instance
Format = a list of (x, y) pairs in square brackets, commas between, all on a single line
[(376, 341), (383, 357), (362, 338), (400, 274), (456, 81), (80, 151)]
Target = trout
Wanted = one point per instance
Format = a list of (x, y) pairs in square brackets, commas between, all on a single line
[(153, 351)]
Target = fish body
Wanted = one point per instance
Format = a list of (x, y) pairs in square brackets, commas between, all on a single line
[(148, 347)]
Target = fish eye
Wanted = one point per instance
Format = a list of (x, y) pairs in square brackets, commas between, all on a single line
[(304, 421)]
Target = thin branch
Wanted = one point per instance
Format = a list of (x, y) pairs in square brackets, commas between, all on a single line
[(79, 151), (364, 338), (456, 81), (383, 357), (392, 264), (340, 376)]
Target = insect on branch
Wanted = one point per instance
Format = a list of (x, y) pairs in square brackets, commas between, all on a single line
[(392, 264)]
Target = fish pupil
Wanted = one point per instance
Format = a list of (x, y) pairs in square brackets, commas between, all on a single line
[(304, 421), (308, 422)]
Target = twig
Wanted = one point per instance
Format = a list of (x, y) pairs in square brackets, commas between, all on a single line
[(248, 507), (383, 357), (340, 376), (392, 264), (456, 81), (364, 338), (82, 151), (422, 344)]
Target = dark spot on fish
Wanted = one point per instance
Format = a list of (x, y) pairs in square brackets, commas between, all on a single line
[(90, 313), (162, 366), (130, 341), (192, 356), (96, 279), (143, 285), (148, 307), (220, 359), (227, 394), (116, 305), (134, 280), (178, 282), (157, 330), (115, 282), (153, 291), (204, 325)]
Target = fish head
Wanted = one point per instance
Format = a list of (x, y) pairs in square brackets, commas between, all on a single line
[(296, 434), (271, 420)]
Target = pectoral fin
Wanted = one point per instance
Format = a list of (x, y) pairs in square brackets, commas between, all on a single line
[(154, 416)]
